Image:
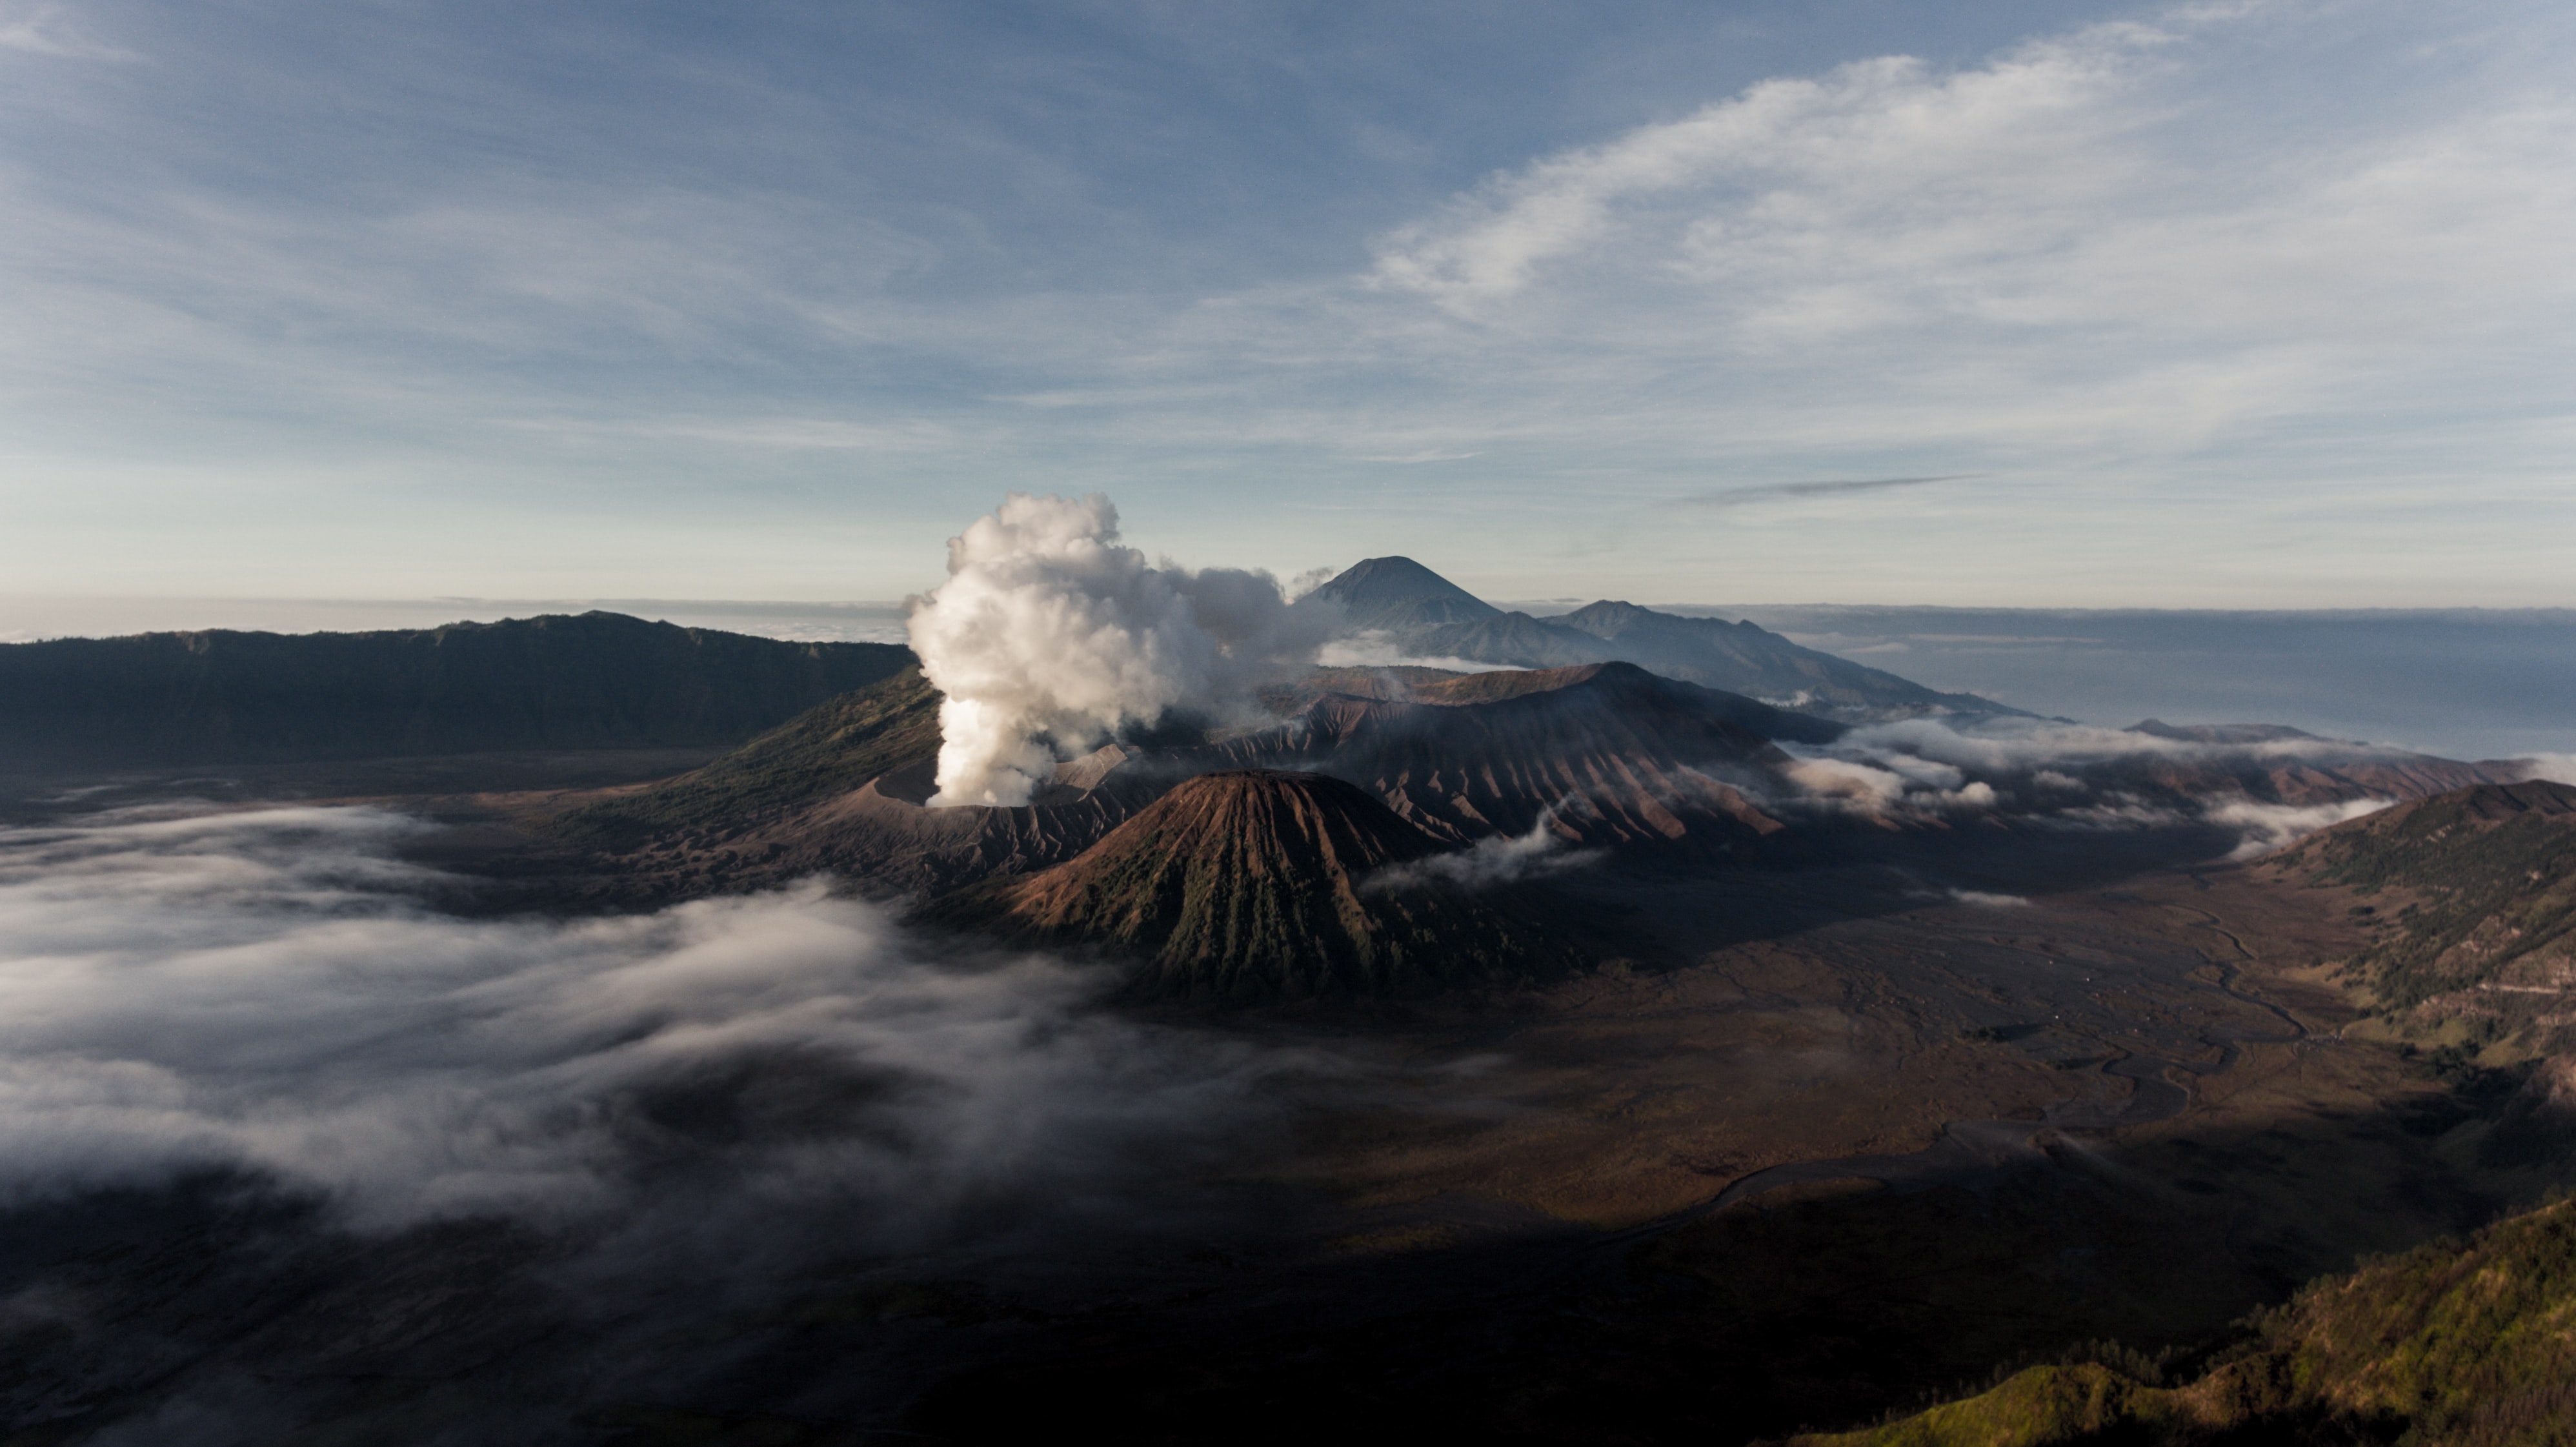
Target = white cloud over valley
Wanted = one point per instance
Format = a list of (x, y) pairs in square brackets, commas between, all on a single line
[(263, 993)]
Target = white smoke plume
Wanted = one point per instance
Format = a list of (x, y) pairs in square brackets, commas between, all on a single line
[(1050, 635)]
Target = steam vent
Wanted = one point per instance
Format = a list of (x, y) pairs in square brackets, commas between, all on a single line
[(1261, 885)]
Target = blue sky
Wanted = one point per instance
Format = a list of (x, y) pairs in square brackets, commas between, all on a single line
[(2207, 305)]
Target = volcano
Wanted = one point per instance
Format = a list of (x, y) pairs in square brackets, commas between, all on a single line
[(1399, 593), (1261, 885)]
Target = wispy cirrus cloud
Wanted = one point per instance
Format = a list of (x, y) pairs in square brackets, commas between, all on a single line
[(45, 29), (1843, 487), (1899, 223)]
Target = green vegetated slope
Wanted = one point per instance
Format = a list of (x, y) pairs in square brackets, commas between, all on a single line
[(2476, 890), (596, 681), (823, 751), (1256, 885), (2471, 1344)]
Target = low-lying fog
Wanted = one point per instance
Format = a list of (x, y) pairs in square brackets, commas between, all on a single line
[(2055, 775), (343, 1106), (699, 1108), (267, 991)]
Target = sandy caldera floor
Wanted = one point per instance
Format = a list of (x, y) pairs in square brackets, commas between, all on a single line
[(1875, 1142)]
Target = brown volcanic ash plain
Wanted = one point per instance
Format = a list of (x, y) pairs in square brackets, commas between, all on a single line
[(1838, 1157)]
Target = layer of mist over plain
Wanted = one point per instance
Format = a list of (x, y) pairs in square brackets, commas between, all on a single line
[(716, 1108)]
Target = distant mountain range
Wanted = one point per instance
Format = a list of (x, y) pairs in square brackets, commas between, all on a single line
[(595, 681), (1427, 616), (608, 681)]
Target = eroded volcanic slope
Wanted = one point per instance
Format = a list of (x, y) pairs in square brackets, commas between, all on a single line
[(1614, 754), (1258, 885)]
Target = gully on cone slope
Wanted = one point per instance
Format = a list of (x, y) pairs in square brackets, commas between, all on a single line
[(1261, 885)]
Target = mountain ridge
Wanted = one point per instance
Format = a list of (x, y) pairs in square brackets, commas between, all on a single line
[(1429, 616), (595, 680)]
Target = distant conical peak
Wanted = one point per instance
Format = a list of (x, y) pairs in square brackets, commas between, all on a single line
[(1394, 570), (1398, 590)]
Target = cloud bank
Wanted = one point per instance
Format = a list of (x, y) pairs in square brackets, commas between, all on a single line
[(2556, 768), (1488, 863), (1832, 487), (2269, 791), (1049, 636), (261, 994), (1378, 649)]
